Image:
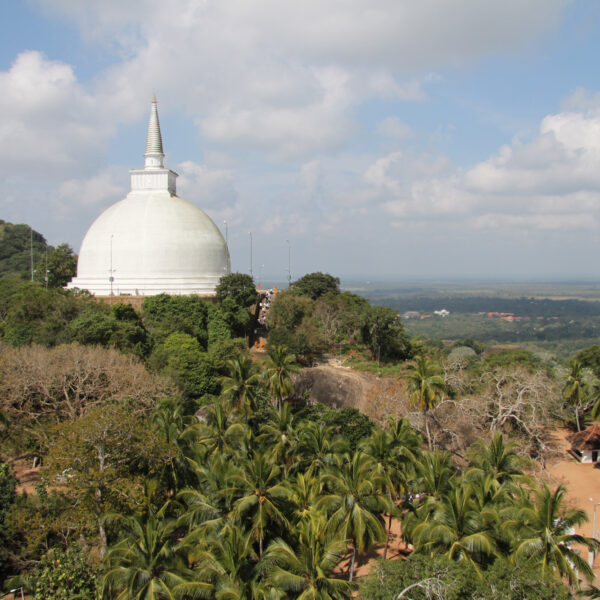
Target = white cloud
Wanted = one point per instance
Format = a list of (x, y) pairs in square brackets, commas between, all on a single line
[(549, 182), (50, 123), (100, 190), (393, 127), (209, 188), (286, 78)]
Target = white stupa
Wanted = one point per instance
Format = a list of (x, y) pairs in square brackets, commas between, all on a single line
[(152, 241)]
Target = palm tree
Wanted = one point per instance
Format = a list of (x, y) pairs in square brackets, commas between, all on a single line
[(305, 569), (171, 423), (434, 474), (434, 479), (544, 534), (404, 438), (280, 436), (227, 559), (426, 386), (496, 460), (279, 368), (263, 496), (576, 390), (304, 492), (147, 563), (355, 503), (220, 434), (391, 464), (240, 386), (457, 529), (318, 444), (209, 500)]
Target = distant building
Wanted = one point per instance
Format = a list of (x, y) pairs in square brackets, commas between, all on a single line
[(153, 241), (441, 313), (411, 314)]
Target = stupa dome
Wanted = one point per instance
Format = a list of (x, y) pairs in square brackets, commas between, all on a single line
[(153, 241)]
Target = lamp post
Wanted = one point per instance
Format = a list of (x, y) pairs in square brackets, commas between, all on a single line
[(46, 269), (111, 278), (592, 555), (251, 273), (226, 232), (31, 250), (289, 264)]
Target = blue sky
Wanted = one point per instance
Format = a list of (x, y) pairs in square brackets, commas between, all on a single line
[(382, 138)]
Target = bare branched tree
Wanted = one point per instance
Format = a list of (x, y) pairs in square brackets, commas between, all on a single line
[(40, 385)]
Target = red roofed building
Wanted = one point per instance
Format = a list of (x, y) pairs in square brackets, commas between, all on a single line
[(586, 444)]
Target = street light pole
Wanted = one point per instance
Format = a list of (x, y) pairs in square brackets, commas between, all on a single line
[(289, 263), (592, 554), (251, 273), (226, 233), (31, 250), (111, 277)]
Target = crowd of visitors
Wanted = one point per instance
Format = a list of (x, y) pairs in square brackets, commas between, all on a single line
[(265, 303)]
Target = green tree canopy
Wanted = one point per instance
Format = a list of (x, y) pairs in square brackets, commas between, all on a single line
[(16, 243), (590, 358), (238, 286), (60, 265), (315, 285), (164, 315), (384, 334)]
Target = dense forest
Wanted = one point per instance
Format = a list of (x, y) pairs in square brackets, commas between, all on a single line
[(177, 463), (526, 307)]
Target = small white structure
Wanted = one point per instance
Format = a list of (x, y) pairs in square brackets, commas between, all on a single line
[(585, 445), (153, 241)]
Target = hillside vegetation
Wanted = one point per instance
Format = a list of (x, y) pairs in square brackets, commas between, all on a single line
[(177, 464), (23, 250)]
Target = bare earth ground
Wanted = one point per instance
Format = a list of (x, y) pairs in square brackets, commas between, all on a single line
[(397, 549), (27, 476), (583, 489)]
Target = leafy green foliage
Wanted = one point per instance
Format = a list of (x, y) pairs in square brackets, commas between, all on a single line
[(352, 425), (287, 311), (8, 496), (239, 287), (590, 358), (100, 460), (119, 326), (511, 358), (193, 369), (315, 285), (384, 334), (64, 576), (15, 249), (164, 315), (59, 266), (31, 314), (457, 581)]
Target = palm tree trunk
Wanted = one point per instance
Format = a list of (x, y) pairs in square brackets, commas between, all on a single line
[(387, 537), (577, 418), (260, 546), (351, 575), (427, 430)]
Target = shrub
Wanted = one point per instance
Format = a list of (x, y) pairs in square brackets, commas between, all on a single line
[(64, 576)]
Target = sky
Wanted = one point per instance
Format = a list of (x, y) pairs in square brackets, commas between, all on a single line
[(375, 139)]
